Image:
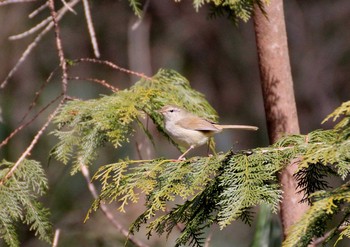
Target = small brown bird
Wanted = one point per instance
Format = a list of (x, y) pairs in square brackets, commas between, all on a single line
[(189, 130)]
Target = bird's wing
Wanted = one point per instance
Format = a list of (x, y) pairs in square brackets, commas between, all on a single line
[(196, 123)]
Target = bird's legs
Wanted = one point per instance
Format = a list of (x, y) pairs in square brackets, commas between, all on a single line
[(183, 155)]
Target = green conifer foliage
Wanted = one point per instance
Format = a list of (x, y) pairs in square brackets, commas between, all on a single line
[(202, 191), (18, 201)]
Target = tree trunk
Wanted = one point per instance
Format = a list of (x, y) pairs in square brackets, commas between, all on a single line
[(278, 94)]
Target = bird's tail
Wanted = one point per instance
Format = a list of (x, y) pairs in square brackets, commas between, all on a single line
[(242, 127)]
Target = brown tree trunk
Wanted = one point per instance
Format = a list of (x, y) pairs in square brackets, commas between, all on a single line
[(279, 101)]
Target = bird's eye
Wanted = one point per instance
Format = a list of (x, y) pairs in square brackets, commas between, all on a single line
[(172, 110)]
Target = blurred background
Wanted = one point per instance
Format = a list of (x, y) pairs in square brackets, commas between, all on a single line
[(216, 56)]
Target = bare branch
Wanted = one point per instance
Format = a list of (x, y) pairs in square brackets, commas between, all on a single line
[(31, 146), (13, 133), (91, 28), (37, 94), (68, 7), (98, 81), (114, 66), (38, 10), (25, 54), (320, 240), (208, 240), (59, 47), (32, 45), (106, 211), (6, 2), (34, 29), (56, 237)]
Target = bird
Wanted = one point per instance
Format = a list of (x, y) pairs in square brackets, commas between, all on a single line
[(189, 130)]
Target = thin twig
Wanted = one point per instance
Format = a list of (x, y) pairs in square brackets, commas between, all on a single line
[(19, 128), (114, 66), (106, 211), (38, 10), (208, 240), (34, 29), (5, 2), (68, 7), (98, 81), (138, 150), (59, 47), (32, 45), (91, 28), (37, 95), (31, 146), (138, 22), (56, 237), (320, 240), (25, 54)]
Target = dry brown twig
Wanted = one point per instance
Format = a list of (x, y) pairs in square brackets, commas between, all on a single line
[(63, 63), (37, 39), (38, 10), (91, 28), (56, 237), (22, 126), (6, 2), (31, 146), (98, 81), (114, 66)]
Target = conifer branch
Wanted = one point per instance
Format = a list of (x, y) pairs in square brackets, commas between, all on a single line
[(106, 211)]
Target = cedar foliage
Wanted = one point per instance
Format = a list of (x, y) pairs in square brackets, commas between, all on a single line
[(202, 191), (19, 201)]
